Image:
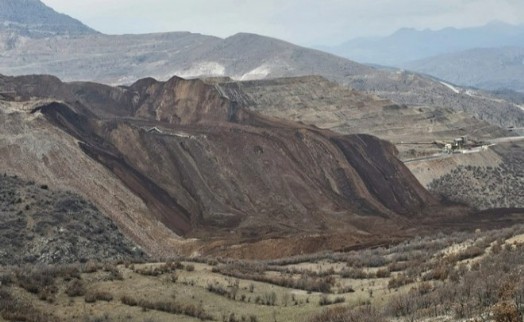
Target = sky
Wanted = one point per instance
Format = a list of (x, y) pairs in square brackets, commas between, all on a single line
[(304, 22)]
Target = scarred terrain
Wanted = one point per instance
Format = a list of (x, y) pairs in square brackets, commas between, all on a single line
[(178, 159)]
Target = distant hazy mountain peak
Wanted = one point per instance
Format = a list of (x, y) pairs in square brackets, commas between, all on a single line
[(32, 18), (409, 44)]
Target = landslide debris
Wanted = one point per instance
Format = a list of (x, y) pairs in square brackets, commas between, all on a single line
[(207, 168)]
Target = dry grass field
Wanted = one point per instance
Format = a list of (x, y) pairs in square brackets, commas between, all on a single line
[(462, 276)]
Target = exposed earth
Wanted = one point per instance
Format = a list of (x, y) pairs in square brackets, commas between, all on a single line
[(176, 158)]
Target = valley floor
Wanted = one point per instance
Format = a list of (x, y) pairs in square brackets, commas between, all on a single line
[(444, 277)]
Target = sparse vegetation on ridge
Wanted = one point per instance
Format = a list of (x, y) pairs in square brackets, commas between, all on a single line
[(486, 187), (40, 225)]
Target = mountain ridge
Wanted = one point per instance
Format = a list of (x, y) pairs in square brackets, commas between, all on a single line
[(123, 59), (32, 18), (409, 44), (486, 68)]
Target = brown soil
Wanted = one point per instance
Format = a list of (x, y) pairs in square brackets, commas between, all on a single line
[(208, 169)]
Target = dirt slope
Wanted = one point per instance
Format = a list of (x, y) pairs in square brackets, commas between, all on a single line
[(205, 167)]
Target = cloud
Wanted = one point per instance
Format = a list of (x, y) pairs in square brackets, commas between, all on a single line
[(300, 21)]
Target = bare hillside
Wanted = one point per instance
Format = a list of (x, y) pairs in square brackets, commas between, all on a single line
[(178, 158)]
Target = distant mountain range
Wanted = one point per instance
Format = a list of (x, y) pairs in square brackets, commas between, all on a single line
[(116, 60), (488, 68), (409, 44), (488, 57)]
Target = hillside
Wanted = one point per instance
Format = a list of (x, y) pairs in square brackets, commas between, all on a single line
[(488, 68), (487, 179), (240, 57), (487, 186), (32, 18), (415, 130), (40, 225), (181, 154)]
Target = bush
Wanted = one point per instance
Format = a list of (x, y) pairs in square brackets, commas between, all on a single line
[(506, 312), (92, 297), (383, 273), (127, 300), (354, 273), (325, 300), (439, 273), (470, 252), (399, 280), (13, 310), (346, 314), (169, 307), (75, 288)]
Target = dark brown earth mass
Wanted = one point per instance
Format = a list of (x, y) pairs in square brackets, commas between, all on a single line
[(208, 169)]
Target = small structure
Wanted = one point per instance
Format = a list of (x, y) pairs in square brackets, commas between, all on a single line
[(458, 143)]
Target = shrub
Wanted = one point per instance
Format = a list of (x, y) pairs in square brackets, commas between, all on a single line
[(270, 298), (398, 266), (127, 300), (354, 273), (13, 310), (217, 289), (383, 273), (92, 297), (506, 312), (347, 314), (470, 252), (440, 273), (325, 300), (75, 288), (169, 307), (399, 280), (90, 267)]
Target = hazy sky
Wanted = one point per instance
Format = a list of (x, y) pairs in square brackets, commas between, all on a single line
[(306, 22)]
